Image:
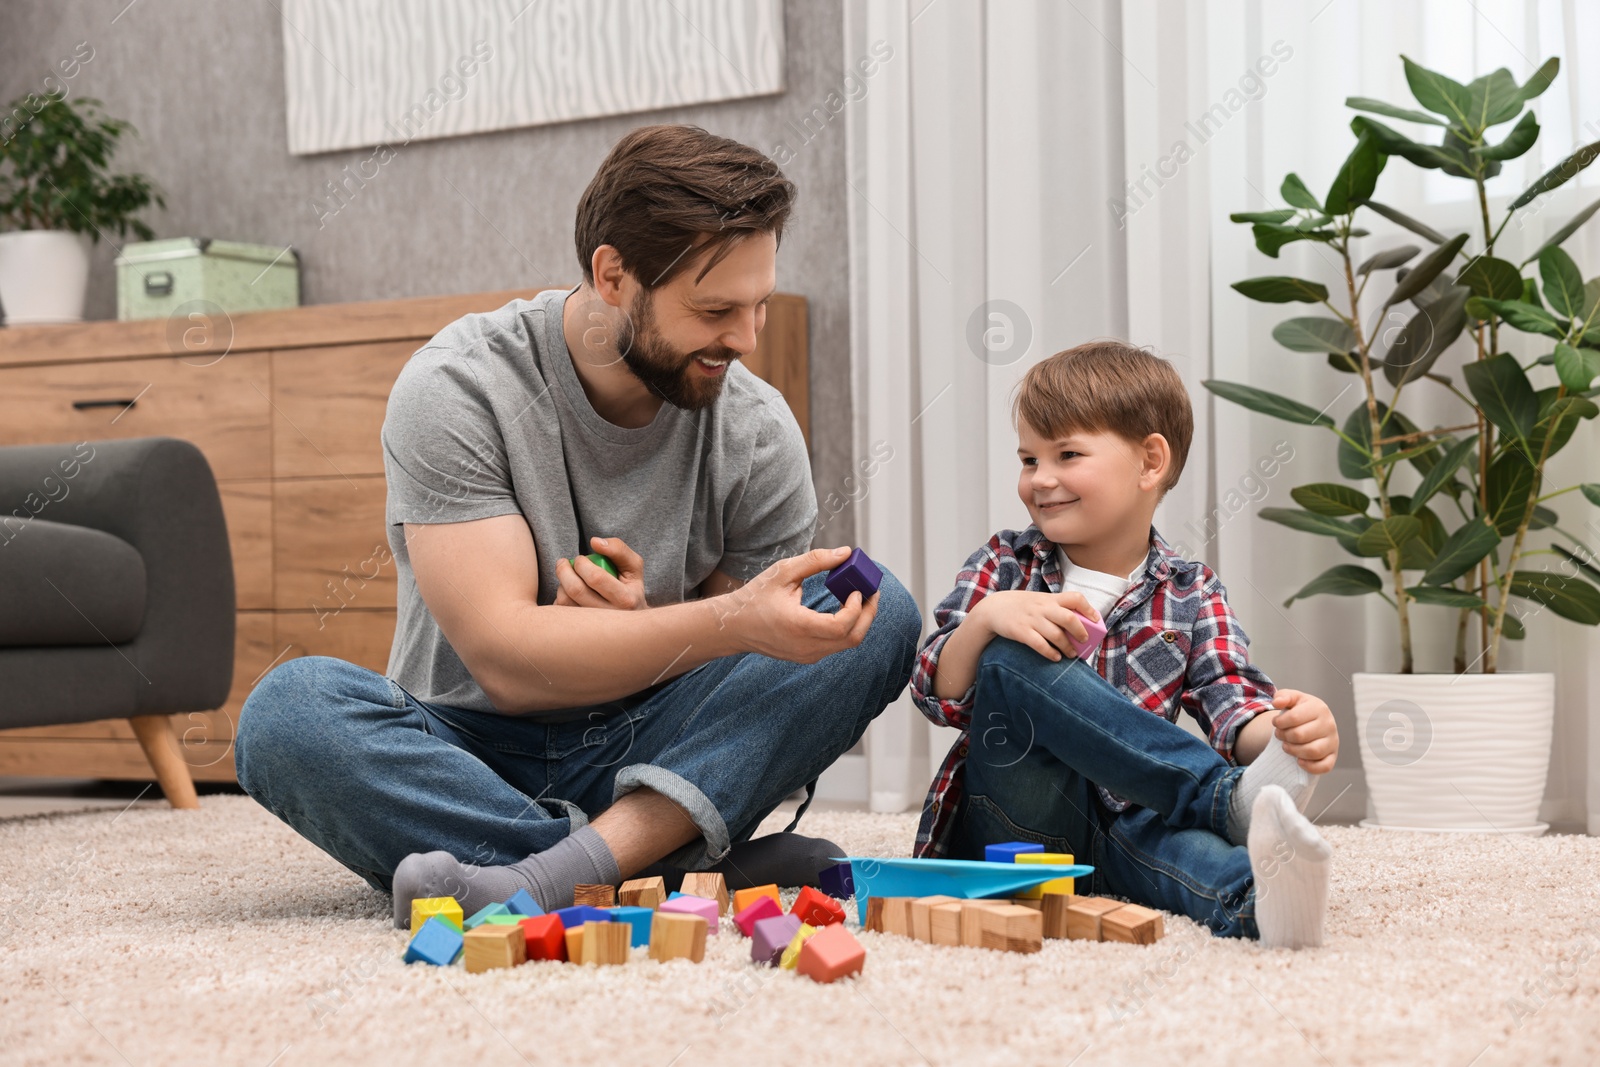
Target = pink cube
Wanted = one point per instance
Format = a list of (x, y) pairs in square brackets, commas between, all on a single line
[(761, 908), (1097, 634), (706, 909)]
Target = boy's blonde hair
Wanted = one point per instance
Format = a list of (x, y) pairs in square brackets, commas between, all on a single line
[(1108, 387)]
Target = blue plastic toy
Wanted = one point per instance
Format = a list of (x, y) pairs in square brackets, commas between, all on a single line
[(481, 916), (858, 574), (964, 879), (638, 918), (437, 943), (1007, 853), (522, 903), (574, 917)]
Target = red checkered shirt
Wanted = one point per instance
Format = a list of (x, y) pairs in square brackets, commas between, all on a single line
[(1171, 642)]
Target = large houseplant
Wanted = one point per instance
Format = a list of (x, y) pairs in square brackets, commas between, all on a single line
[(1445, 513), (57, 194)]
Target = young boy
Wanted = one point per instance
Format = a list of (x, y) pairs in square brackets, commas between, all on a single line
[(1066, 752)]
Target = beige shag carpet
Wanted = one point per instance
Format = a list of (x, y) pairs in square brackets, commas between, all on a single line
[(221, 937)]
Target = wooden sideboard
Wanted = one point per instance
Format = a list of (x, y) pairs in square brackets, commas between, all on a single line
[(286, 405)]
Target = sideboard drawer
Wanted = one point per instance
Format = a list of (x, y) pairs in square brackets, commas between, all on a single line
[(328, 406), (222, 407)]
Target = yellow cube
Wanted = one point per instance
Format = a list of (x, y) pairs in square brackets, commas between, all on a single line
[(1063, 886), (791, 955), (444, 907)]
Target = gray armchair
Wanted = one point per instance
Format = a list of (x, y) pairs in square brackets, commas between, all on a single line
[(116, 591)]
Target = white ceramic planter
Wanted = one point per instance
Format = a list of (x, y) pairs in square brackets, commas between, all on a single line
[(44, 276), (1461, 753)]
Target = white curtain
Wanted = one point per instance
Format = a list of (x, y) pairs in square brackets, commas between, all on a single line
[(1053, 172)]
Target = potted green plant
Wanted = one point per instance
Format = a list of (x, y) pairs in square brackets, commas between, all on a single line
[(1441, 517), (57, 195)]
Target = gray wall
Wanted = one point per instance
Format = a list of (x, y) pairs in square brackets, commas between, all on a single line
[(203, 83)]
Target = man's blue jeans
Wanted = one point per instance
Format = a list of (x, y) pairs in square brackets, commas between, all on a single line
[(370, 774), (1044, 732)]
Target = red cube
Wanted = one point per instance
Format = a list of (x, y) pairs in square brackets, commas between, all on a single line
[(546, 938), (760, 908), (817, 908), (831, 954)]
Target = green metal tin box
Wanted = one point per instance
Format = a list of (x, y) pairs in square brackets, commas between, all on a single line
[(156, 278)]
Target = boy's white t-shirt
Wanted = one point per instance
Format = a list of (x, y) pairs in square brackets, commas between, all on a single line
[(1102, 590)]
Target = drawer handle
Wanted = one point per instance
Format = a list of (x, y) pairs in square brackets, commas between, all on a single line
[(158, 283), (84, 405)]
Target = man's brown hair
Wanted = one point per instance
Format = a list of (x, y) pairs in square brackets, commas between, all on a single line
[(667, 195), (1108, 387)]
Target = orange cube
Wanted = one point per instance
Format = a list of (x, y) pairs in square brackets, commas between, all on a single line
[(831, 954), (743, 898)]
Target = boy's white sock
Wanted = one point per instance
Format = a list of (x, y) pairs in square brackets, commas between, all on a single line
[(1291, 863), (1273, 766)]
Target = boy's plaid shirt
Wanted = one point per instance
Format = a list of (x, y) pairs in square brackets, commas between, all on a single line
[(1171, 642)]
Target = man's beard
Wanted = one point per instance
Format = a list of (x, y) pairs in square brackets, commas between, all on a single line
[(664, 371)]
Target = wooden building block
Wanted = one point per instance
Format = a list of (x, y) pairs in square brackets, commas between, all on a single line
[(1084, 915), (897, 916), (1055, 885), (574, 939), (444, 907), (544, 937), (972, 919), (642, 893), (677, 935), (594, 896), (743, 898), (606, 943), (944, 923), (708, 884), (791, 955), (832, 954), (1054, 906), (1036, 903), (922, 915), (817, 908), (490, 946), (1012, 929), (1132, 924), (874, 917)]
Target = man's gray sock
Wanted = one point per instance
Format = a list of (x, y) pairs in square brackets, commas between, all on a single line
[(581, 858), (1273, 766)]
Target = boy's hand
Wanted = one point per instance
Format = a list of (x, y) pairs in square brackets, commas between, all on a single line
[(591, 587), (1048, 623), (1305, 726)]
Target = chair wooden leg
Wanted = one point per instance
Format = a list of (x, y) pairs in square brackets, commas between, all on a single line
[(161, 749)]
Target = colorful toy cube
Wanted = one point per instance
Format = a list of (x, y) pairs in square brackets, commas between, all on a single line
[(522, 903), (546, 938), (687, 905), (763, 907), (743, 898), (638, 919), (1091, 643), (1008, 852), (436, 942), (837, 882), (1055, 885), (830, 955), (574, 917), (791, 954), (858, 574), (769, 937), (445, 907), (815, 907)]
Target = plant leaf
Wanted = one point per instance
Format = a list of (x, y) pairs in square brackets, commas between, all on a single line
[(1314, 333), (1576, 367), (1462, 550), (1520, 316), (1392, 142), (1280, 289), (1495, 98), (1418, 345), (1444, 595), (1591, 491), (1388, 534), (1540, 80), (1294, 192), (1279, 407), (1490, 277), (1442, 471), (1400, 218), (1309, 522), (1511, 480), (1567, 230), (1437, 93), (1346, 579), (1427, 268), (1276, 215), (1378, 107), (1331, 498), (1388, 259), (1357, 178), (1270, 237), (1558, 175), (1571, 598), (1563, 285), (1518, 141), (1502, 390)]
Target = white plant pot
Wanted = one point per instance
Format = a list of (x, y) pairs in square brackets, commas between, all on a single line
[(44, 276), (1452, 753)]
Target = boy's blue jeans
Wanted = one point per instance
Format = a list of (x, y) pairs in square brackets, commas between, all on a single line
[(1043, 732), (370, 774)]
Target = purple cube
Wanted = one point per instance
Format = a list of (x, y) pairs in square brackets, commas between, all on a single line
[(1097, 634), (837, 881), (771, 936), (858, 574)]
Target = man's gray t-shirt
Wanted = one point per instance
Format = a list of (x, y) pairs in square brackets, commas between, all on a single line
[(489, 418)]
